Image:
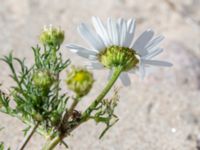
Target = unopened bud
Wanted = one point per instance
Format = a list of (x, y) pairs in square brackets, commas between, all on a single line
[(80, 81), (52, 36), (43, 79)]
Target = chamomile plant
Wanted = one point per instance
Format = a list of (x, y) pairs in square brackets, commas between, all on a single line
[(39, 101)]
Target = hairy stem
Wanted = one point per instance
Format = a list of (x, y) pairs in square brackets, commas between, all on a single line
[(86, 115), (28, 137), (115, 75), (52, 144), (73, 106)]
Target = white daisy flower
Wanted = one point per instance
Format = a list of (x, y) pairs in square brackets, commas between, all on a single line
[(112, 44)]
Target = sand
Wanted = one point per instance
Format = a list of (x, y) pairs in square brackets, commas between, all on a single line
[(161, 112)]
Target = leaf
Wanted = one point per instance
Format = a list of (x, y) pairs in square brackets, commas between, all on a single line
[(104, 112), (1, 146), (26, 130), (107, 128)]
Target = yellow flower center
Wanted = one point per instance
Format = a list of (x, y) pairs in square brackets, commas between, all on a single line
[(80, 77), (80, 81)]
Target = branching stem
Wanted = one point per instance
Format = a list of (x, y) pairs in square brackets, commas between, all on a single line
[(28, 136), (116, 73), (86, 115)]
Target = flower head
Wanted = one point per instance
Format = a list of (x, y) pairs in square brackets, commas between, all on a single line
[(43, 79), (80, 81), (112, 44), (52, 36), (114, 56)]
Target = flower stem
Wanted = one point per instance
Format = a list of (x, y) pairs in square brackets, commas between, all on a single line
[(74, 104), (88, 111), (28, 137), (115, 75), (52, 144), (117, 71)]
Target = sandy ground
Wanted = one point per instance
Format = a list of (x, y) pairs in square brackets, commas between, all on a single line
[(160, 113)]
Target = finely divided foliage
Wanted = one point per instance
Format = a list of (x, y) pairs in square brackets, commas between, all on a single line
[(37, 96)]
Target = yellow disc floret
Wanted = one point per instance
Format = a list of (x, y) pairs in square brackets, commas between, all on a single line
[(81, 77)]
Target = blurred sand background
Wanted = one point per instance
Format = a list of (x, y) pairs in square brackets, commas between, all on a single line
[(160, 113)]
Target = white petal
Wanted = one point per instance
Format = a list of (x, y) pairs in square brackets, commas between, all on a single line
[(89, 36), (101, 30), (157, 63), (86, 55), (95, 66), (119, 28), (142, 70), (78, 47), (142, 41), (109, 29), (123, 34), (81, 51), (134, 71), (125, 79), (93, 57), (154, 43), (112, 31), (131, 31), (154, 53), (131, 25)]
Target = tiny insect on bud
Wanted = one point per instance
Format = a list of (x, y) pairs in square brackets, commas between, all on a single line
[(80, 81), (52, 36), (43, 79)]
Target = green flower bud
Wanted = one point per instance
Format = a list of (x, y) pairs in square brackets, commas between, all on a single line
[(52, 36), (80, 81), (115, 56), (43, 79), (37, 117)]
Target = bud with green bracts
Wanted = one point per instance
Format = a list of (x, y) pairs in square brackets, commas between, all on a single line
[(43, 79), (52, 36), (37, 117), (80, 81)]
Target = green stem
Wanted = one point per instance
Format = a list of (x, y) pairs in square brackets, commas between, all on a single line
[(70, 111), (117, 71), (73, 106), (115, 75), (28, 137), (86, 114), (52, 144)]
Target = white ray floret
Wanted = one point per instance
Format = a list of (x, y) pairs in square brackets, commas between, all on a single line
[(119, 33)]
